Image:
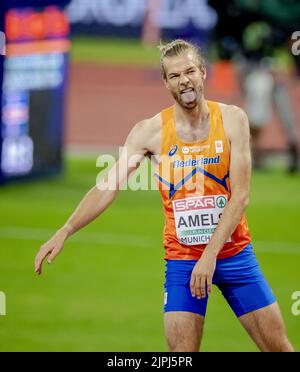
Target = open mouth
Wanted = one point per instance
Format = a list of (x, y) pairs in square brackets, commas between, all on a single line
[(187, 90), (188, 95)]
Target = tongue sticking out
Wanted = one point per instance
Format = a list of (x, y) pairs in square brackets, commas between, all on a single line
[(188, 97)]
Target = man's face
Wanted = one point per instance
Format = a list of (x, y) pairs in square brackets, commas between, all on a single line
[(184, 79)]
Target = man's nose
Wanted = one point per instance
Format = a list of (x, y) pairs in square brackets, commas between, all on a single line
[(183, 79)]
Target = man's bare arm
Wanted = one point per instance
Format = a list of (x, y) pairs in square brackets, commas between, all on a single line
[(98, 198), (240, 176)]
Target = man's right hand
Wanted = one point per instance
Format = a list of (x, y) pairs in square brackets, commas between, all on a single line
[(50, 249)]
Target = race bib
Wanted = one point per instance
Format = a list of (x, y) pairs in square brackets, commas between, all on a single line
[(196, 218)]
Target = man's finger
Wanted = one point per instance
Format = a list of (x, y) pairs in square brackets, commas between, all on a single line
[(209, 285), (39, 259), (202, 286), (38, 266), (192, 285), (197, 287), (52, 256)]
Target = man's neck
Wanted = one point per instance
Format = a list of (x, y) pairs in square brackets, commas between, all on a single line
[(195, 117)]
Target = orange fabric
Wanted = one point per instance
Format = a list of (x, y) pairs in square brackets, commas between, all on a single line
[(196, 209)]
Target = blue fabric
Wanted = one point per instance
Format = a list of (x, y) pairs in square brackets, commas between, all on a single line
[(239, 278)]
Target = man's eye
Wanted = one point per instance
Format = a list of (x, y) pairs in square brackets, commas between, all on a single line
[(191, 71)]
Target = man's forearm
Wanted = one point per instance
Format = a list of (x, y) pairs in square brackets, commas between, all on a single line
[(90, 207), (231, 217)]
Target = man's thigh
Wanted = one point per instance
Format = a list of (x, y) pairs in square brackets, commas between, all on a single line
[(266, 328), (178, 296), (183, 330), (242, 283), (184, 314)]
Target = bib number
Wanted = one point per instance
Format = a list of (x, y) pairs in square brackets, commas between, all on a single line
[(196, 218)]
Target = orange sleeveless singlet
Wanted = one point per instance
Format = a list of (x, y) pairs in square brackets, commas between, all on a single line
[(194, 184)]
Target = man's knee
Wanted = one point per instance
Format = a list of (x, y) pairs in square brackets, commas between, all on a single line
[(180, 346)]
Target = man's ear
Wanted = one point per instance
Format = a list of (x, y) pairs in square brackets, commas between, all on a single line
[(203, 72), (167, 85)]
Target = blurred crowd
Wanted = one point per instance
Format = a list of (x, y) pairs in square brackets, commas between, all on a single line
[(256, 36)]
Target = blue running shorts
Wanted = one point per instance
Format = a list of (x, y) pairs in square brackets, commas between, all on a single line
[(239, 278)]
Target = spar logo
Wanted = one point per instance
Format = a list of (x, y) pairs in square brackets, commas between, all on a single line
[(190, 204), (221, 201)]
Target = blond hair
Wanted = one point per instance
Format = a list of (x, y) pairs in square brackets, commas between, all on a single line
[(175, 48)]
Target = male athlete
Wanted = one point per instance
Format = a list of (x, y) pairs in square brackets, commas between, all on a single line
[(203, 174)]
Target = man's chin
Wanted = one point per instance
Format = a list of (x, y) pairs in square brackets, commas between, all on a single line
[(188, 105)]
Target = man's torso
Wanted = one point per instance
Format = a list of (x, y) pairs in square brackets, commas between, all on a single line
[(193, 178)]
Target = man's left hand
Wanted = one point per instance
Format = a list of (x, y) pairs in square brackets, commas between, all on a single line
[(202, 274)]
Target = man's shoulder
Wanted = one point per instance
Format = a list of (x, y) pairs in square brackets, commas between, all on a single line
[(235, 120), (147, 128), (150, 124), (146, 133), (232, 110)]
